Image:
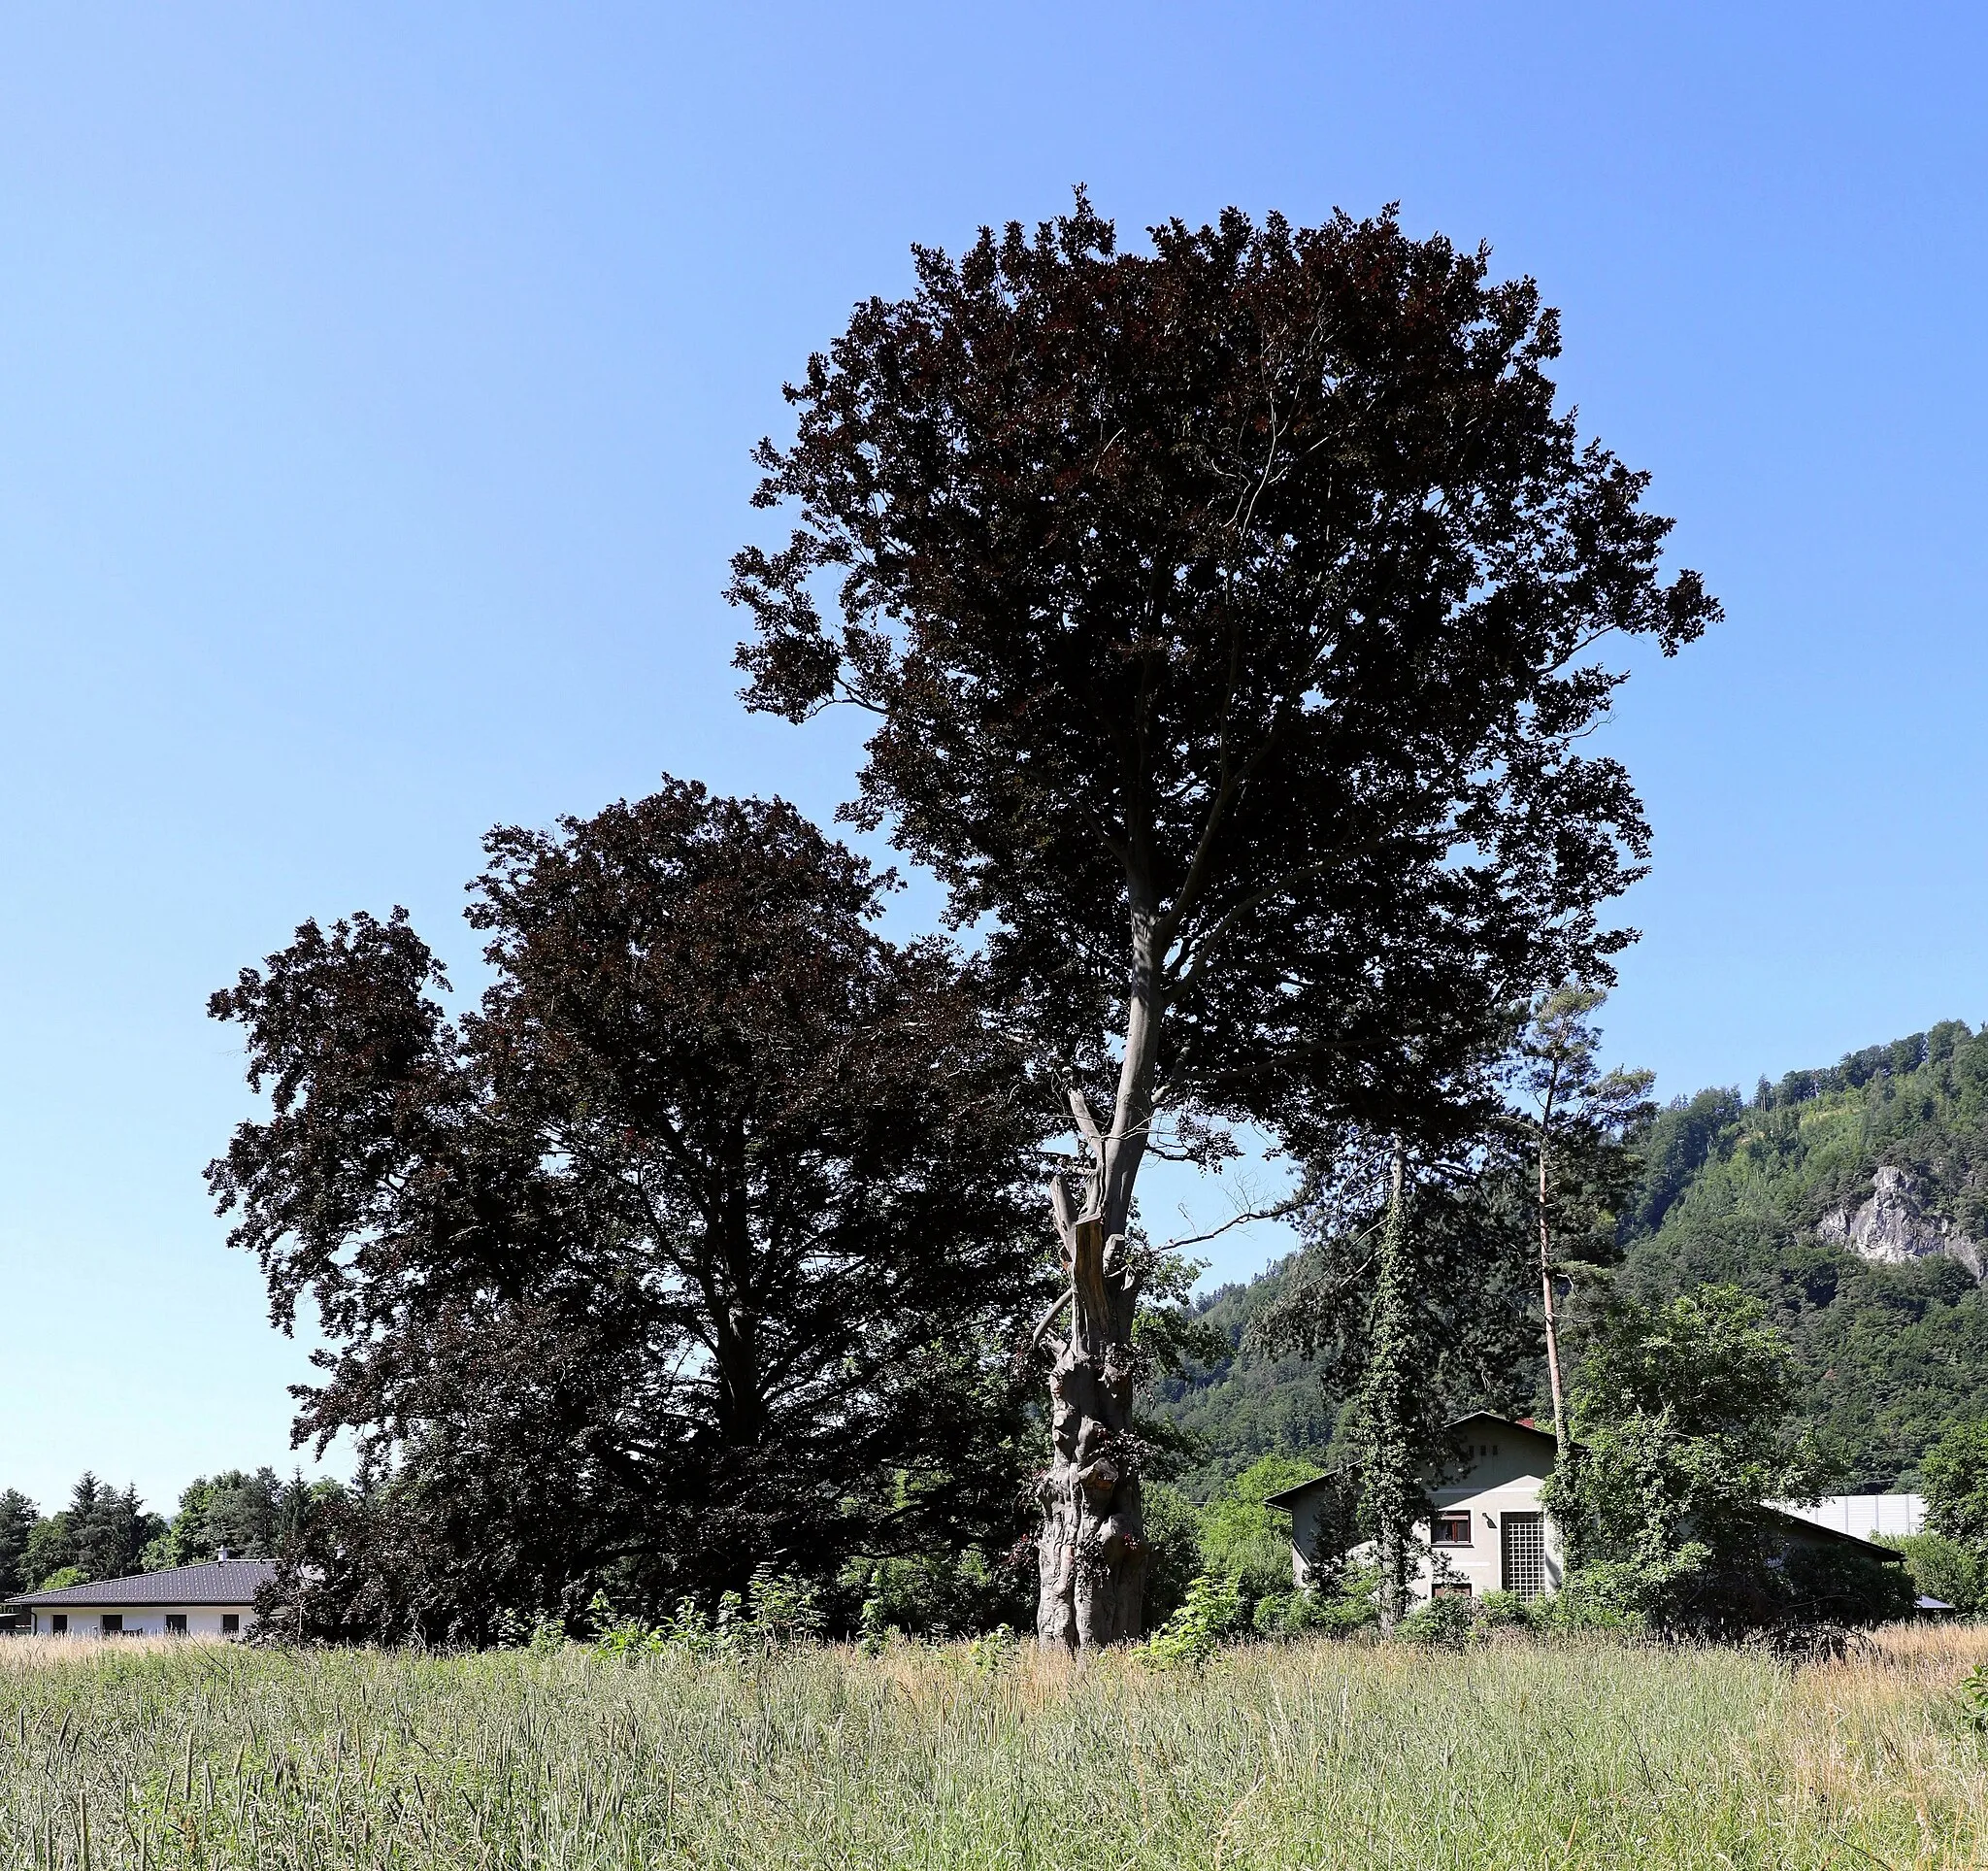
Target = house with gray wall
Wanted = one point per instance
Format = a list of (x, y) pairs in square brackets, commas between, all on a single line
[(1487, 1529)]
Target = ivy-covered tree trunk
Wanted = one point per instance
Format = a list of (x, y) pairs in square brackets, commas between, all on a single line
[(1394, 1495)]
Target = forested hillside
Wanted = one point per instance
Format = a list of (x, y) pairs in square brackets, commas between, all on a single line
[(1248, 1405), (1853, 1199)]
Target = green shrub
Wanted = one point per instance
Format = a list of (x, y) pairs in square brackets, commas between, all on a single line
[(937, 1594), (1956, 1472), (873, 1630), (1449, 1622), (1841, 1586), (776, 1609), (1340, 1607), (1454, 1622), (1627, 1595), (1271, 1616), (1212, 1611), (1507, 1610), (785, 1607), (1246, 1540), (1944, 1569), (1974, 1698), (990, 1653), (616, 1636), (1174, 1556)]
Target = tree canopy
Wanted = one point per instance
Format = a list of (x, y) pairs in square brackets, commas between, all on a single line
[(100, 1534), (698, 1244), (239, 1513), (1225, 613), (1231, 598), (1956, 1472), (17, 1517), (1682, 1419)]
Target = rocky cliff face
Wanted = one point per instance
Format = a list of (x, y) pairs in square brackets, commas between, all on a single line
[(1893, 1227)]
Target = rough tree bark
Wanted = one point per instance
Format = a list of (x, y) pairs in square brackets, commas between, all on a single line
[(1091, 1551), (1092, 1547)]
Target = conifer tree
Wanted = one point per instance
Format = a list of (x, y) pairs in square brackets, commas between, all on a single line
[(1581, 1123)]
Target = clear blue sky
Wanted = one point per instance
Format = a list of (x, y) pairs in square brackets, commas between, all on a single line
[(376, 387)]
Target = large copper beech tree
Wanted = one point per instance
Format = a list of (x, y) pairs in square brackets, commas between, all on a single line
[(1226, 613), (696, 1244)]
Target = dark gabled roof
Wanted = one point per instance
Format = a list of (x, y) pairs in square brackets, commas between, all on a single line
[(1526, 1428), (1832, 1535), (214, 1581), (1286, 1496)]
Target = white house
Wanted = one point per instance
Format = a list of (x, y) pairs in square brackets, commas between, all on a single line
[(1487, 1531), (214, 1599)]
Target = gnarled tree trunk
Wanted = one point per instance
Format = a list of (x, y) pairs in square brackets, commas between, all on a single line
[(1092, 1547), (1394, 1495)]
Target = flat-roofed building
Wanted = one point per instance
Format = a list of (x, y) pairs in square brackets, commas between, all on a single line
[(1868, 1517)]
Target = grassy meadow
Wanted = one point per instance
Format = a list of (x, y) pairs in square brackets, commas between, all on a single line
[(1304, 1755)]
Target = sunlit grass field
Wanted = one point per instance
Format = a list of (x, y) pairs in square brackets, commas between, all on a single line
[(1315, 1754)]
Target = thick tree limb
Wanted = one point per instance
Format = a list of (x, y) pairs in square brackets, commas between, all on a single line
[(1064, 1208), (1086, 1124), (1048, 1319)]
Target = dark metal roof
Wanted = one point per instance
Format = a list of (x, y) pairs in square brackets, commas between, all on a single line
[(214, 1581), (1830, 1535), (1286, 1496)]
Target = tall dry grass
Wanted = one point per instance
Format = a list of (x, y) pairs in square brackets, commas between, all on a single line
[(1315, 1755)]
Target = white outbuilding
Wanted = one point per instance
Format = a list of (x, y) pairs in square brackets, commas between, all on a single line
[(214, 1599)]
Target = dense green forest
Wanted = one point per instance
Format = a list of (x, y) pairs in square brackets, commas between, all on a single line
[(107, 1533), (1771, 1193)]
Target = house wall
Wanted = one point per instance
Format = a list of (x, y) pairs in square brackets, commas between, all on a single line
[(144, 1620), (1508, 1467), (1305, 1542), (1480, 1565)]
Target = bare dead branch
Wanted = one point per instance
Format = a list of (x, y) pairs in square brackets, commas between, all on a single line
[(1064, 1208), (1272, 1214), (1086, 1124)]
